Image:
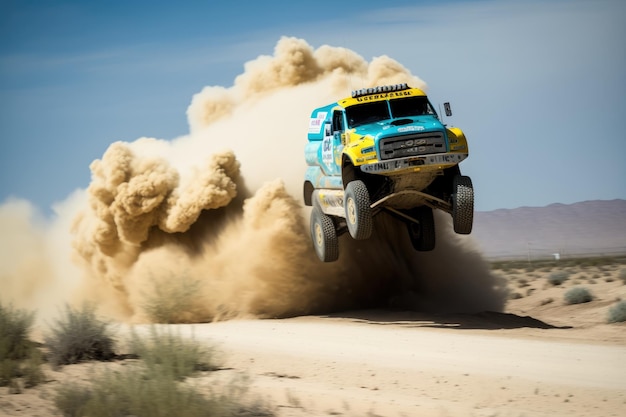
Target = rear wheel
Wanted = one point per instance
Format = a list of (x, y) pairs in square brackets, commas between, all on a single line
[(422, 235), (358, 211), (324, 236), (462, 204)]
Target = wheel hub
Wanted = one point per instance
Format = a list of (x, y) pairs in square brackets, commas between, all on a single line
[(319, 239), (351, 212)]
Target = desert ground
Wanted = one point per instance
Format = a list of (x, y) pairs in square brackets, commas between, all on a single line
[(540, 357)]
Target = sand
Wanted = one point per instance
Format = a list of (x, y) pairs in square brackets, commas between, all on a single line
[(538, 358)]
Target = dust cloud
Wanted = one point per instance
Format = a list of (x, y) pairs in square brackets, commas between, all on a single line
[(211, 225)]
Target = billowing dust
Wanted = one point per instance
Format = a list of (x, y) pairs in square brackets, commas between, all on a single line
[(211, 225)]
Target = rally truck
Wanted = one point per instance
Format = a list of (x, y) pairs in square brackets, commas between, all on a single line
[(384, 149)]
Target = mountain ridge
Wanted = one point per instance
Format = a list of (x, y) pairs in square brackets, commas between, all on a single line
[(591, 227)]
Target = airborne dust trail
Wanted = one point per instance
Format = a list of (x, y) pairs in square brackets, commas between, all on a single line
[(215, 218)]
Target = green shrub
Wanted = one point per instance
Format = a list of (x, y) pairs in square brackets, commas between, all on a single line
[(617, 313), (558, 277), (19, 357), (15, 326), (153, 387), (129, 393), (578, 295), (175, 300), (167, 353), (31, 370), (79, 336), (72, 399)]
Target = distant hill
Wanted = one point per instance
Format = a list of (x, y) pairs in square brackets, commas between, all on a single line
[(586, 228)]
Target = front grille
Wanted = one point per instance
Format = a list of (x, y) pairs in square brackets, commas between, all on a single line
[(412, 145)]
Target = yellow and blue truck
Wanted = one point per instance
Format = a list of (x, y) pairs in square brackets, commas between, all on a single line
[(384, 149)]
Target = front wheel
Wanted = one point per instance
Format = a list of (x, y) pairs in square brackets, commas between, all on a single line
[(462, 204), (358, 211), (324, 236)]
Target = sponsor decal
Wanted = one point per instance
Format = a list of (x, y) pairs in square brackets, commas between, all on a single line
[(367, 150), (315, 123), (379, 89), (375, 97), (410, 128), (331, 200), (392, 165), (327, 151)]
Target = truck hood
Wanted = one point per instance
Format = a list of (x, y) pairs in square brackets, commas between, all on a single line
[(400, 126)]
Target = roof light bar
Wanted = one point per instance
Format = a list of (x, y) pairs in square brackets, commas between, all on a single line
[(379, 89)]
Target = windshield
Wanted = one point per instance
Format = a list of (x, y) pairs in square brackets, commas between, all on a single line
[(378, 111), (410, 106), (362, 114)]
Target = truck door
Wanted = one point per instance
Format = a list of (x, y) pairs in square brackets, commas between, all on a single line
[(332, 145)]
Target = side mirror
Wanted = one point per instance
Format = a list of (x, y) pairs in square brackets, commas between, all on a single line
[(448, 109)]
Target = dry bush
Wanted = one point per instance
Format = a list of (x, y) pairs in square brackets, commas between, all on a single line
[(175, 300), (558, 277), (79, 336), (617, 313), (154, 387), (164, 352), (15, 326), (578, 295), (622, 275), (19, 357)]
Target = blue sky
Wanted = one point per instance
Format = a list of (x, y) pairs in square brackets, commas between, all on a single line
[(539, 87)]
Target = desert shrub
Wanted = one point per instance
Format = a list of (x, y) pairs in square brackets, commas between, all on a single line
[(130, 393), (15, 326), (32, 373), (622, 275), (617, 313), (167, 353), (72, 399), (558, 277), (578, 295), (19, 357), (147, 389), (175, 300), (77, 336)]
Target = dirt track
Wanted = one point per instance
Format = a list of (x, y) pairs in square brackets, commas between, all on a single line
[(400, 364)]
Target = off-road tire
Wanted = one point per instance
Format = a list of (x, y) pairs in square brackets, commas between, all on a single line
[(324, 236), (358, 211), (422, 235), (462, 204)]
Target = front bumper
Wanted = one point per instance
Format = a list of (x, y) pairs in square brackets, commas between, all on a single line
[(414, 163)]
